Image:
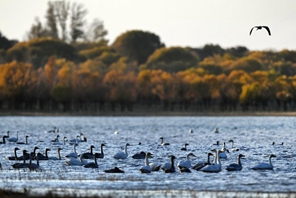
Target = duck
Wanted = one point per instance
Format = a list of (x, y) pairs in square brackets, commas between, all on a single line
[(101, 154), (3, 139), (26, 142), (163, 143), (114, 170), (89, 155), (265, 166), (238, 166), (140, 155), (185, 147), (59, 155), (13, 139), (76, 162), (171, 167), (146, 168), (261, 27), (232, 147), (200, 165), (92, 164), (122, 155), (185, 163), (216, 166), (73, 154), (43, 157)]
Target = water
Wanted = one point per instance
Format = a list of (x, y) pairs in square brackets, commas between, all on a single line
[(252, 135)]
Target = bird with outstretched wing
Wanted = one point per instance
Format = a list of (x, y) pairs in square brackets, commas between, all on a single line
[(260, 27)]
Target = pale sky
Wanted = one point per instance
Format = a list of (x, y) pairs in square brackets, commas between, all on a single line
[(192, 23)]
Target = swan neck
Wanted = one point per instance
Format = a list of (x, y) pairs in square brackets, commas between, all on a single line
[(59, 155), (146, 160), (102, 149), (125, 149), (172, 163), (15, 155), (270, 161)]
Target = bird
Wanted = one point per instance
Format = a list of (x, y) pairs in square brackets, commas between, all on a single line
[(122, 155), (15, 154), (216, 166), (163, 143), (21, 165), (146, 168), (190, 131), (217, 143), (3, 139), (89, 155), (184, 148), (73, 154), (169, 167), (54, 130), (265, 166), (260, 27), (101, 155), (140, 155), (26, 142), (92, 164), (43, 157), (232, 147), (238, 166), (76, 162), (185, 163), (59, 155), (33, 166), (200, 165), (216, 130), (13, 139), (114, 170)]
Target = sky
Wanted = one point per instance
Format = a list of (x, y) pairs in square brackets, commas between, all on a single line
[(185, 23)]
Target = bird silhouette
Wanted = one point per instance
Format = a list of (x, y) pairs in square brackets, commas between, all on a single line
[(259, 28)]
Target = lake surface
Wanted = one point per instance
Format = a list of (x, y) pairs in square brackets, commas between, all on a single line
[(252, 135)]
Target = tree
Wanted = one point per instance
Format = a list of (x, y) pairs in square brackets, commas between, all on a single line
[(51, 21), (37, 30), (137, 45), (62, 12), (95, 31), (77, 21)]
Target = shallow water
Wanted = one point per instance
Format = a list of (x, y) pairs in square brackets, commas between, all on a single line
[(252, 135)]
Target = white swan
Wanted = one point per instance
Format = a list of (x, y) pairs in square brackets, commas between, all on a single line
[(163, 143), (73, 154), (75, 141), (232, 147), (60, 143), (171, 168), (216, 166), (185, 163), (223, 150), (236, 167), (13, 139), (122, 155), (75, 161), (265, 166), (146, 168)]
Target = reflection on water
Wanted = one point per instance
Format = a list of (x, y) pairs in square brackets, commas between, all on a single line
[(252, 135)]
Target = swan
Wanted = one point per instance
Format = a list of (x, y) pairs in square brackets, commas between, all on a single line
[(33, 166), (223, 150), (59, 155), (74, 141), (92, 164), (15, 154), (3, 139), (43, 157), (217, 143), (236, 167), (170, 169), (82, 138), (199, 166), (89, 155), (114, 170), (190, 131), (7, 134), (60, 143), (265, 166), (54, 130), (216, 130), (21, 165), (73, 154), (122, 155), (101, 155), (185, 163), (184, 148), (146, 168), (13, 139), (75, 161), (233, 148), (24, 142), (27, 156), (56, 139), (216, 166), (163, 143), (140, 155)]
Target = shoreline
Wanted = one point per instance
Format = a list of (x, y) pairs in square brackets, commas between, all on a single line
[(143, 114)]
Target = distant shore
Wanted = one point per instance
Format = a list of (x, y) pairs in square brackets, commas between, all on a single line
[(160, 113)]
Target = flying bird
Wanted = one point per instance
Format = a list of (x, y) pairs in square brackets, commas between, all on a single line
[(259, 28)]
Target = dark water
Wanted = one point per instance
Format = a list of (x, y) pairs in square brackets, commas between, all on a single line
[(252, 135)]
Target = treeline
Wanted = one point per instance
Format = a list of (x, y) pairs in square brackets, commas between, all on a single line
[(137, 72)]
